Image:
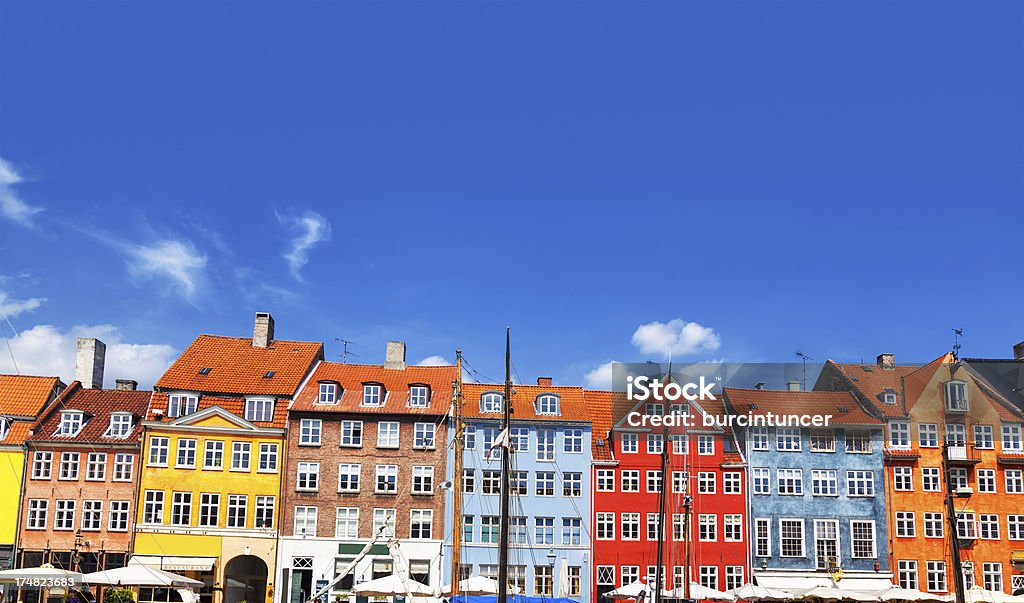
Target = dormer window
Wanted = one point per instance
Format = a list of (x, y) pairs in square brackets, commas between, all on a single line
[(889, 396), (71, 423), (120, 425), (956, 396), (328, 393), (180, 405), (490, 402), (373, 395), (548, 404), (259, 409), (419, 396), (5, 427)]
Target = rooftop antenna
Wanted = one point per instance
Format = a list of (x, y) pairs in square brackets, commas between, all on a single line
[(957, 334), (345, 353), (805, 358)]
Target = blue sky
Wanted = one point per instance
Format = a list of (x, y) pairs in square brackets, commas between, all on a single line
[(840, 178)]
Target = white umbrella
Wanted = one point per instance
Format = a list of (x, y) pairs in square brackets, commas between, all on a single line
[(699, 591), (392, 585), (910, 594), (980, 595), (139, 575), (754, 592), (45, 572), (478, 585), (630, 591), (831, 593)]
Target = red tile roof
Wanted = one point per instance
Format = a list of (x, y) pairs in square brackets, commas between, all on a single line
[(233, 405), (917, 386), (600, 405), (872, 380), (763, 401), (351, 378), (98, 405), (17, 434), (572, 403), (25, 396)]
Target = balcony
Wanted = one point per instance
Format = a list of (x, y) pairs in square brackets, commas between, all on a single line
[(962, 454)]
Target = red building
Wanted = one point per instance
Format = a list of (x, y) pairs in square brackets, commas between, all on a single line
[(703, 463)]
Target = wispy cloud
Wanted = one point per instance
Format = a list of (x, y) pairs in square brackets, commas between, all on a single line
[(307, 229), (11, 206), (434, 361), (13, 307), (176, 260), (675, 338), (600, 377)]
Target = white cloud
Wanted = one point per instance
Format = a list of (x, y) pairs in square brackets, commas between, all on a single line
[(11, 206), (45, 350), (600, 377), (675, 338), (308, 228), (13, 307), (176, 260), (433, 361)]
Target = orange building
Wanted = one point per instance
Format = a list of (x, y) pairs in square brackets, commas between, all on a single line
[(925, 407)]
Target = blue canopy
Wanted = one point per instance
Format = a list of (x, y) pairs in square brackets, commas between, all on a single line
[(511, 598)]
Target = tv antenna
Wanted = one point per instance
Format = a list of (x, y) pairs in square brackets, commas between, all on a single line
[(804, 358), (957, 334), (345, 352)]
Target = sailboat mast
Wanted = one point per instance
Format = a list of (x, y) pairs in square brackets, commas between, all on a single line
[(457, 477), (662, 497), (505, 475)]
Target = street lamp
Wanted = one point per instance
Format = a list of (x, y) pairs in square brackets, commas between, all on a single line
[(551, 557)]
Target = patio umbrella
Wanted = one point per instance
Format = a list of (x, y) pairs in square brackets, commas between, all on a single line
[(394, 584), (831, 593), (753, 592), (631, 591), (139, 575), (699, 591), (980, 595), (44, 572), (910, 594), (478, 585)]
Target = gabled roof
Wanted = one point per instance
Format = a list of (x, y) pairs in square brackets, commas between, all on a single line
[(238, 367), (25, 395), (233, 405), (98, 405), (17, 433), (917, 386), (600, 405), (841, 405), (872, 380), (350, 379), (1004, 378), (572, 403)]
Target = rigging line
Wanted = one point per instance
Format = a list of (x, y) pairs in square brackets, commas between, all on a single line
[(7, 339)]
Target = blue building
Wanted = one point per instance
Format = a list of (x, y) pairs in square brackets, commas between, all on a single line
[(550, 504), (816, 493)]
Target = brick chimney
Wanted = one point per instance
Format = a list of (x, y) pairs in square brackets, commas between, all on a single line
[(1018, 351), (886, 361), (394, 355), (89, 362), (126, 385), (263, 330), (544, 381), (793, 385)]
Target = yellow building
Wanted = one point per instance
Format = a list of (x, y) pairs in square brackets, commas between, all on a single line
[(212, 455)]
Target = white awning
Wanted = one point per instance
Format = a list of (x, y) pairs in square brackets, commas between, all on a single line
[(864, 583), (792, 583), (175, 563)]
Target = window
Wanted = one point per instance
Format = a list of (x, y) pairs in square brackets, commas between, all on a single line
[(259, 409), (956, 396), (606, 526), (679, 445), (213, 454), (905, 524), (37, 512), (787, 439), (352, 434), (655, 443), (547, 404), (71, 423), (706, 482), (826, 543), (117, 520), (899, 434), (936, 576), (930, 481), (707, 527), (96, 466), (543, 580), (153, 507), (1014, 481), (209, 509), (966, 529), (733, 576), (933, 525), (544, 530), (490, 403), (605, 479), (709, 576), (956, 434), (348, 477), (630, 574), (240, 453), (572, 484), (64, 516), (468, 528), (158, 451), (790, 482), (824, 482), (630, 480), (419, 396), (705, 445), (907, 573), (308, 477), (1011, 437), (267, 458), (858, 442), (310, 431), (387, 479), (791, 537), (328, 393), (605, 575), (490, 451), (731, 482), (468, 481), (652, 527), (653, 481), (423, 479), (489, 529), (889, 397), (423, 436), (732, 528), (762, 480), (387, 434), (759, 438), (491, 481), (863, 538), (372, 395), (421, 523), (181, 508), (305, 521), (237, 509), (186, 453), (384, 522), (573, 441), (992, 576), (120, 425), (265, 512), (545, 444), (983, 438), (572, 530), (42, 463), (762, 537), (860, 483), (903, 478), (469, 437), (1015, 527), (986, 481), (346, 522), (68, 466), (958, 478), (823, 441), (679, 481), (545, 483), (631, 526), (630, 443), (179, 405), (928, 435), (92, 515)]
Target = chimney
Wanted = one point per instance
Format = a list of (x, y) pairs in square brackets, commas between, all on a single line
[(126, 385), (794, 385), (263, 330), (394, 355), (759, 385), (886, 361), (544, 381), (89, 362), (1018, 351)]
